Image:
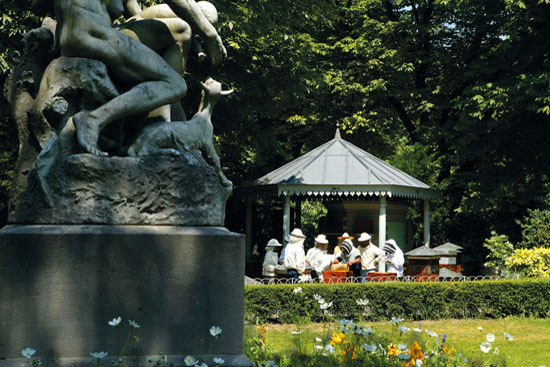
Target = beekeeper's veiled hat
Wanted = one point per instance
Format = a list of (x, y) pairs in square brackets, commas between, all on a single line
[(322, 239), (364, 237), (297, 232), (390, 246), (346, 246), (273, 243)]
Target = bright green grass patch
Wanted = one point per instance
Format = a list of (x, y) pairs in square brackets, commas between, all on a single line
[(530, 347)]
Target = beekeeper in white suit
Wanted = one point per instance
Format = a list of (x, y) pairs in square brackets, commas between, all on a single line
[(394, 257), (295, 256), (271, 258)]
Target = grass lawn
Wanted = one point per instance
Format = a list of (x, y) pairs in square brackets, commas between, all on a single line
[(530, 348)]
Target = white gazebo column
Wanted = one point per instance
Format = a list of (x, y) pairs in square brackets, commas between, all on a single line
[(248, 228), (286, 216), (427, 223), (382, 229)]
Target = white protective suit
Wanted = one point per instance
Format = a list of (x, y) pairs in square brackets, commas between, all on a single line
[(397, 259), (295, 256), (319, 260), (270, 262)]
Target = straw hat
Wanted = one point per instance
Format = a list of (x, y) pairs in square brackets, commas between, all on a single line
[(273, 243), (344, 236), (321, 239), (364, 237), (297, 232)]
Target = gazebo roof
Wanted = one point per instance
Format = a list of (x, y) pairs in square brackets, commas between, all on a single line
[(340, 168)]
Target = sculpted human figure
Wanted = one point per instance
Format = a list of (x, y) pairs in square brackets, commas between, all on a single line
[(85, 30), (160, 29)]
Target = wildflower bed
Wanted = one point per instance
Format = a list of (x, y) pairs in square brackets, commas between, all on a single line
[(517, 342)]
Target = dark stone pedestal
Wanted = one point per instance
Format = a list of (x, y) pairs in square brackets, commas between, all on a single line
[(61, 284)]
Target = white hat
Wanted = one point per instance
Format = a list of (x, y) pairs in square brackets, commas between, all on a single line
[(273, 243), (321, 239), (364, 237), (297, 232)]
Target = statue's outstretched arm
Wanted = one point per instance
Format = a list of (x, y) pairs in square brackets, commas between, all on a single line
[(132, 8), (189, 11)]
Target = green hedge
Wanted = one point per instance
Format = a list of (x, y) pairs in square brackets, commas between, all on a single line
[(412, 301)]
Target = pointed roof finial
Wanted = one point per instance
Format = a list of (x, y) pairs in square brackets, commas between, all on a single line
[(337, 135)]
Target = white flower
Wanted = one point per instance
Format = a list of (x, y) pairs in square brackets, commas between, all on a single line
[(28, 352), (99, 355), (417, 330), (215, 331), (479, 328), (203, 364), (297, 290), (403, 329), (329, 348), (369, 348), (317, 297), (485, 347), (367, 331), (219, 361), (418, 363), (115, 321), (402, 347), (345, 322), (295, 332), (431, 333), (397, 320), (490, 337), (190, 361), (325, 306), (318, 340), (362, 302), (403, 356), (319, 347), (509, 337), (133, 324)]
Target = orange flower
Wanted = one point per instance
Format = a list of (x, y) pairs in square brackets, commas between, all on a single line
[(416, 352), (337, 338), (450, 353), (392, 350), (349, 352)]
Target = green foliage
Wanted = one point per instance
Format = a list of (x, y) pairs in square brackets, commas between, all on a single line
[(413, 301), (311, 212), (535, 229), (500, 250), (455, 93), (533, 262)]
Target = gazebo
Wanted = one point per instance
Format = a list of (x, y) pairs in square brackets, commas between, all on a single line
[(339, 169)]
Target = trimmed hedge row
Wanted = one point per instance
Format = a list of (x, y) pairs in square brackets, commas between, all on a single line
[(412, 301)]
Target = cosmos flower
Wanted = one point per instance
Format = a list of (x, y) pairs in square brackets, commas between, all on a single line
[(485, 347), (215, 331), (190, 360), (99, 355), (28, 352)]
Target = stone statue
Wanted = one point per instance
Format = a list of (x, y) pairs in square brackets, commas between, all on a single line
[(85, 30), (73, 105), (194, 135)]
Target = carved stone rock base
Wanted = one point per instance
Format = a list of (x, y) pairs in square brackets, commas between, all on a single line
[(87, 189)]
